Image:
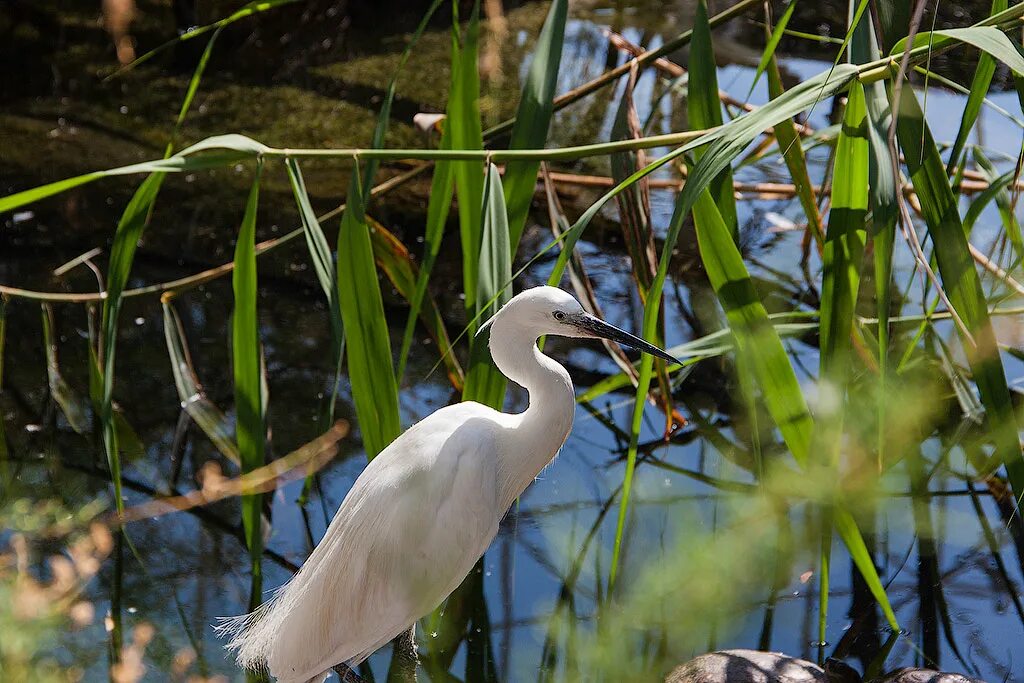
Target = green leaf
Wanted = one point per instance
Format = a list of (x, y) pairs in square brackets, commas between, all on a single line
[(842, 257), (704, 111), (793, 154), (440, 202), (396, 263), (484, 383), (370, 370), (533, 118), (466, 133), (245, 11), (986, 38), (997, 190), (979, 88), (961, 282), (122, 253), (773, 42), (384, 118), (250, 427)]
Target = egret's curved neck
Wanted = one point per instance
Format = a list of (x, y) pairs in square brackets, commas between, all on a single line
[(543, 427)]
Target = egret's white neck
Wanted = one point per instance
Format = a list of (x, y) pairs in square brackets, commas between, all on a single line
[(543, 427)]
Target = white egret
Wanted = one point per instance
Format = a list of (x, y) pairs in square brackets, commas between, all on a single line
[(425, 509)]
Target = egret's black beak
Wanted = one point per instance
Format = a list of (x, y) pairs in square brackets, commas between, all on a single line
[(599, 328)]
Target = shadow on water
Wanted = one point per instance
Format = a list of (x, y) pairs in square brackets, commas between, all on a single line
[(949, 550)]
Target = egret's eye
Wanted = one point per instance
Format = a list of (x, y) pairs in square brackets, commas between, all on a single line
[(559, 315)]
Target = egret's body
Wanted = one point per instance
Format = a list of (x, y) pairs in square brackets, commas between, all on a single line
[(425, 509)]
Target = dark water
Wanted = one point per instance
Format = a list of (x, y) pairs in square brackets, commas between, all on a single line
[(313, 76)]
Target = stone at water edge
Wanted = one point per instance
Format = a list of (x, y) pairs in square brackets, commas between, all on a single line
[(908, 675), (752, 666)]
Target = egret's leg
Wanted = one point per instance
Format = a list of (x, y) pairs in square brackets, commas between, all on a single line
[(405, 658), (347, 674)]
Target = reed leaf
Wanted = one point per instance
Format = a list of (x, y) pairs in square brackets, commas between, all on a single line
[(250, 425), (794, 156), (533, 118), (704, 111), (368, 344), (466, 133), (442, 186), (980, 83), (484, 383), (841, 264), (326, 275), (768, 54), (988, 39), (122, 253), (961, 283), (997, 190), (384, 117), (395, 262)]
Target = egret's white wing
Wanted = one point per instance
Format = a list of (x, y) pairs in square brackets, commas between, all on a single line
[(411, 528)]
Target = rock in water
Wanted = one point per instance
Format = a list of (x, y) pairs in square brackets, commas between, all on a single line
[(925, 676), (747, 666)]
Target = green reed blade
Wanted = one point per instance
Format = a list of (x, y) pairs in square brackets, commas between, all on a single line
[(326, 274), (245, 11), (988, 39), (533, 118), (126, 238), (768, 55), (396, 263), (442, 187), (384, 117), (371, 374), (466, 133), (961, 282), (1004, 202), (704, 111), (250, 427), (842, 258), (794, 155), (194, 401), (980, 83), (484, 383)]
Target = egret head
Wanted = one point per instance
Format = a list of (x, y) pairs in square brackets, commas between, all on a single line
[(551, 311)]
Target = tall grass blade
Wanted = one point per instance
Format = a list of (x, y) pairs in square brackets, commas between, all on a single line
[(371, 374), (997, 190), (794, 156), (768, 55), (245, 11), (194, 401), (442, 187), (884, 212), (704, 111), (466, 133), (986, 38), (484, 383), (533, 118), (126, 238), (635, 220), (980, 83), (384, 118), (250, 427), (961, 282), (396, 263), (841, 264)]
